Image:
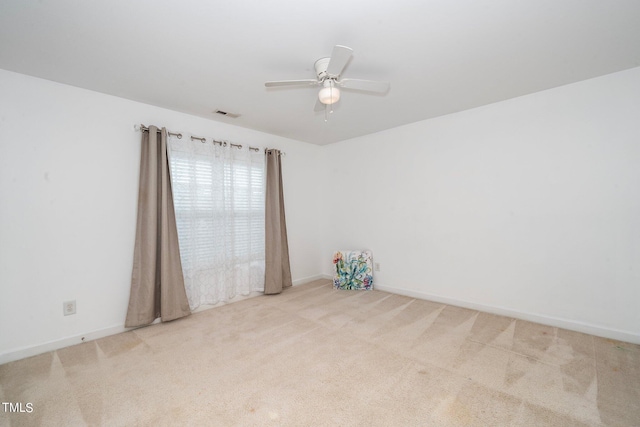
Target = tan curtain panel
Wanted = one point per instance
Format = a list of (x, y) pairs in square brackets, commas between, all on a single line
[(277, 268), (157, 284)]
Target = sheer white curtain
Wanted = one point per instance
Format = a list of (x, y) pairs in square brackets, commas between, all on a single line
[(219, 202)]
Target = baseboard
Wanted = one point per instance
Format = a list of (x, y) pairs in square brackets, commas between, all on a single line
[(309, 279), (516, 314), (25, 352)]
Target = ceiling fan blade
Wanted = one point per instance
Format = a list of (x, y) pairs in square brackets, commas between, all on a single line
[(366, 85), (339, 58), (319, 106), (306, 82)]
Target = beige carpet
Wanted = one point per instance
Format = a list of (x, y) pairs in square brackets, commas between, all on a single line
[(314, 356)]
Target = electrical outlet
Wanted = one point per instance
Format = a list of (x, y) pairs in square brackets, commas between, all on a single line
[(377, 266), (69, 307)]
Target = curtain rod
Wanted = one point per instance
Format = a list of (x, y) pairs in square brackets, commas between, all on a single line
[(143, 128)]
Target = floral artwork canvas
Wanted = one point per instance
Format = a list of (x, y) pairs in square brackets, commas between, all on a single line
[(353, 270)]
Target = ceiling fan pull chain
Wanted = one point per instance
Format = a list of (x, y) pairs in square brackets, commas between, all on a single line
[(331, 88)]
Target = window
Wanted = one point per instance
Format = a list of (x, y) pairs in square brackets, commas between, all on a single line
[(218, 194)]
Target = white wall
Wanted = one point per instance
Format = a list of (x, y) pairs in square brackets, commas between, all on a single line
[(528, 207), (69, 165)]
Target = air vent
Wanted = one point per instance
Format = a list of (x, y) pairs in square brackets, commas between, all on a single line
[(227, 114)]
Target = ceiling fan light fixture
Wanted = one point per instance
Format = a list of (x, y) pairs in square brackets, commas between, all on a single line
[(329, 94), (329, 75)]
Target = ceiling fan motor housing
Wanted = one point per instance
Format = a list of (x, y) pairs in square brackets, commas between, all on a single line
[(321, 66)]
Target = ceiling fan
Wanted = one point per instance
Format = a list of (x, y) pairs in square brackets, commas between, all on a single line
[(328, 75)]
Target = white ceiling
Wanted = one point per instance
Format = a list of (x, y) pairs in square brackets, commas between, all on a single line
[(440, 56)]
